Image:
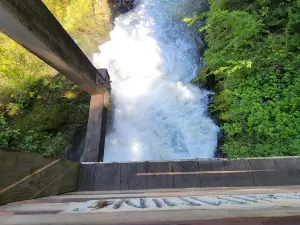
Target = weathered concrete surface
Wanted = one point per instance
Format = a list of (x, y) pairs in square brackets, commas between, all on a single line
[(190, 174), (263, 206)]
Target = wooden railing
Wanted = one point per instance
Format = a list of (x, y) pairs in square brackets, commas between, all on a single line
[(25, 176), (33, 26)]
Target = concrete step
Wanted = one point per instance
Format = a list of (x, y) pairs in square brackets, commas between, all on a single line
[(201, 206)]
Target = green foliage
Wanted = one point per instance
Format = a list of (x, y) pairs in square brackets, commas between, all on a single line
[(87, 21), (253, 52), (46, 122)]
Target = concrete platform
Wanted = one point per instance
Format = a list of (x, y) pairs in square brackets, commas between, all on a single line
[(202, 206), (190, 174)]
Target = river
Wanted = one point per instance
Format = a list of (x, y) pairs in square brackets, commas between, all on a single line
[(151, 58)]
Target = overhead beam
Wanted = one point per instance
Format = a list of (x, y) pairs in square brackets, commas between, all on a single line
[(33, 26)]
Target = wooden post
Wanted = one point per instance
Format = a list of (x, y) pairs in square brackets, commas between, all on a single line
[(96, 128), (32, 25), (93, 133)]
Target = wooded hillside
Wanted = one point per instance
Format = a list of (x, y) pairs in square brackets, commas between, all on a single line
[(252, 52)]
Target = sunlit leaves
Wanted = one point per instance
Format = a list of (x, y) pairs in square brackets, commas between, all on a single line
[(253, 53)]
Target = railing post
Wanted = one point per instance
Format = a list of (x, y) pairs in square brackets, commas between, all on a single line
[(96, 128)]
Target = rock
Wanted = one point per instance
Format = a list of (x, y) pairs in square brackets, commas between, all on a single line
[(101, 204), (123, 6)]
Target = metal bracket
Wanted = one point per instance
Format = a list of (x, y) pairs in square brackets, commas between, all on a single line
[(103, 78)]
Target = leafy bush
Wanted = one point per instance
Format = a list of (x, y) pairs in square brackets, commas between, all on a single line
[(253, 52), (44, 123), (87, 21)]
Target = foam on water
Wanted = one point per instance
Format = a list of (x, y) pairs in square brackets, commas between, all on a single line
[(157, 114)]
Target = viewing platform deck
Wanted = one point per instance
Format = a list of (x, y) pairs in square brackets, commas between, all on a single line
[(252, 172)]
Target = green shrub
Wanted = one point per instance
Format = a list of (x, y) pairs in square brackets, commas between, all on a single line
[(47, 124), (253, 52)]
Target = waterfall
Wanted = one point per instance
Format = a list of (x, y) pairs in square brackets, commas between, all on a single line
[(151, 58)]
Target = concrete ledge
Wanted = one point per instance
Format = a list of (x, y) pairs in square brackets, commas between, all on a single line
[(270, 216), (190, 174)]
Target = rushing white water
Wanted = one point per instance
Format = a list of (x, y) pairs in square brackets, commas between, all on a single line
[(157, 114)]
